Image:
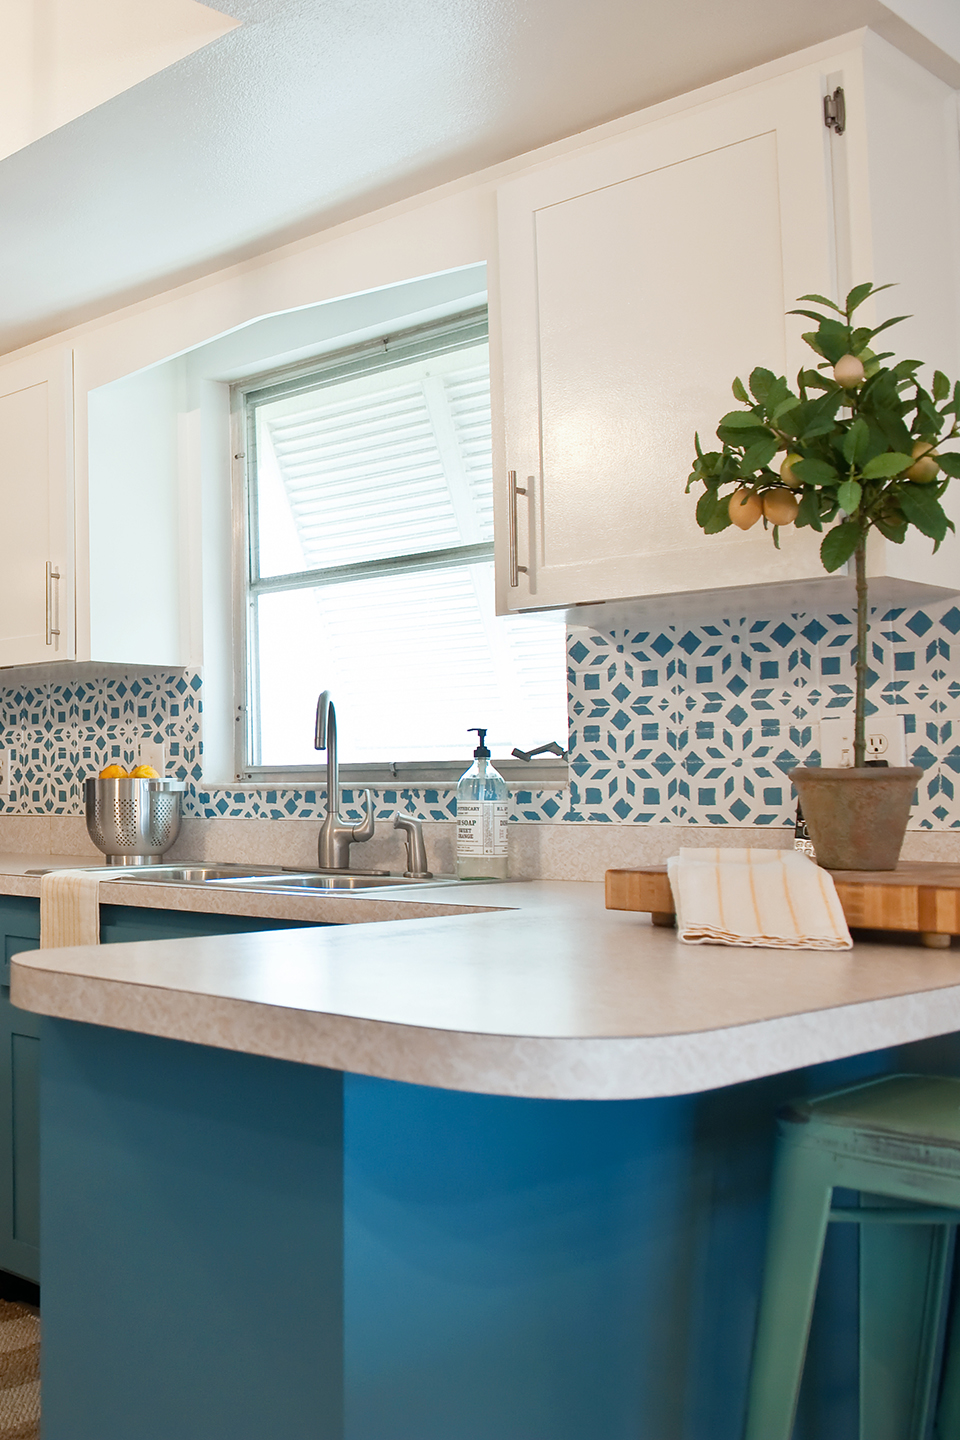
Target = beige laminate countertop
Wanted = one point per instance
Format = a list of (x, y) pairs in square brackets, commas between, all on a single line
[(550, 995)]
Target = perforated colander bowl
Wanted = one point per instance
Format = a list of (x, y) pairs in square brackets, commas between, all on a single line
[(133, 821)]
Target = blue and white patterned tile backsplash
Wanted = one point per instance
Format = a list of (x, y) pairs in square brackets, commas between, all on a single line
[(689, 724)]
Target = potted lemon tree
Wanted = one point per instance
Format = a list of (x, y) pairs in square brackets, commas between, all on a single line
[(855, 448)]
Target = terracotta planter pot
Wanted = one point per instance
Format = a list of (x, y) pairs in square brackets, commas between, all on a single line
[(857, 818)]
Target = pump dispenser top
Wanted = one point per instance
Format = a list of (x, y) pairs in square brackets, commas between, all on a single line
[(481, 752)]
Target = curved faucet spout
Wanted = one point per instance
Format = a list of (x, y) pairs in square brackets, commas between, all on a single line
[(336, 837)]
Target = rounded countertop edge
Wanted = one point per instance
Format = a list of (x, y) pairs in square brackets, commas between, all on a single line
[(531, 1067)]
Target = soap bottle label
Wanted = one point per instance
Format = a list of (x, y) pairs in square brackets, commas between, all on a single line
[(481, 828)]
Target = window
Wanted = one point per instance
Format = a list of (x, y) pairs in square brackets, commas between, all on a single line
[(368, 564)]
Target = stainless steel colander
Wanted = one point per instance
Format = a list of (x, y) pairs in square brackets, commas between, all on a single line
[(133, 821)]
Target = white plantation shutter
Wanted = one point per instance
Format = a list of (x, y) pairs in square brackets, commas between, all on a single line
[(372, 567)]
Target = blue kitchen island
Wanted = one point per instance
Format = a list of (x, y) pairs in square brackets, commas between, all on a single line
[(491, 1176)]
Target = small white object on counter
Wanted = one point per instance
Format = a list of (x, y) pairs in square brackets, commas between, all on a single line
[(773, 899)]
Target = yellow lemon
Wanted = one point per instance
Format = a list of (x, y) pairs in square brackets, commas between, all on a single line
[(144, 772), (926, 468), (849, 372), (114, 772), (786, 471), (744, 508), (780, 507)]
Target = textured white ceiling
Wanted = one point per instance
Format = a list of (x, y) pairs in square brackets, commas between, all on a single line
[(314, 111), (61, 58)]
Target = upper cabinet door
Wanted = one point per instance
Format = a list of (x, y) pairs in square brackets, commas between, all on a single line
[(638, 277), (36, 509)]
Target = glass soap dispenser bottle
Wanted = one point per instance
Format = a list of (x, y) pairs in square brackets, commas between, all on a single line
[(482, 805)]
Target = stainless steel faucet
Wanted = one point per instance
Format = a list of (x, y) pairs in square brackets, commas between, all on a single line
[(416, 851), (336, 836)]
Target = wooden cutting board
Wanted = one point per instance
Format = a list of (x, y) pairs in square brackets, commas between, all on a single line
[(919, 896)]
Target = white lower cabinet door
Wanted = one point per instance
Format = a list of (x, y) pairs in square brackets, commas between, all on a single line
[(638, 277), (36, 509)]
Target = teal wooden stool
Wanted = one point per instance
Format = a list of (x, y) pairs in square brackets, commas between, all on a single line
[(897, 1142)]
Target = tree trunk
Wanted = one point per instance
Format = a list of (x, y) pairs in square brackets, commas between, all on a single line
[(859, 738)]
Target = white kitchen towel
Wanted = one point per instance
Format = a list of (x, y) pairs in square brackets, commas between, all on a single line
[(69, 908), (777, 899)]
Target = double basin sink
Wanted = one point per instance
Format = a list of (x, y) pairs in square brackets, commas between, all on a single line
[(272, 878)]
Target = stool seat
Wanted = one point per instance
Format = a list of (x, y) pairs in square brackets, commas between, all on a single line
[(896, 1141), (924, 1109)]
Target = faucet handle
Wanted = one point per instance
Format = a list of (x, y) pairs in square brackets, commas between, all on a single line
[(416, 850), (364, 831)]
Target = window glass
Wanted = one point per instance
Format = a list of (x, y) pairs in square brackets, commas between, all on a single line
[(371, 566)]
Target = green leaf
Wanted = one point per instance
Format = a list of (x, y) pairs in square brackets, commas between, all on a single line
[(839, 544), (833, 340), (811, 338), (950, 464), (848, 496), (819, 300), (760, 382), (707, 507), (786, 405), (882, 467), (760, 453), (924, 511), (809, 512), (857, 296), (720, 521), (895, 530), (815, 472), (740, 420), (941, 386), (739, 391), (855, 442), (887, 323)]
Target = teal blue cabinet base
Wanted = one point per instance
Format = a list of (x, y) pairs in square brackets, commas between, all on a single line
[(192, 1242), (236, 1247), (20, 1055)]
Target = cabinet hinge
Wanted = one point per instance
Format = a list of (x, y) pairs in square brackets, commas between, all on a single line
[(835, 111)]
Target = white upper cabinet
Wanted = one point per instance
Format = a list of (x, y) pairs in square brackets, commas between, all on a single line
[(36, 509), (638, 276)]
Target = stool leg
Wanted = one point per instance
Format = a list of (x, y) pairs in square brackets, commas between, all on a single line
[(800, 1204), (903, 1274), (948, 1410)]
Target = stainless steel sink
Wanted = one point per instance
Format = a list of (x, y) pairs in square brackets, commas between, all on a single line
[(317, 884), (262, 877), (193, 874)]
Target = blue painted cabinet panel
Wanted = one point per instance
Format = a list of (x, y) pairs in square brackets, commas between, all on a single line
[(19, 1100), (20, 1055)]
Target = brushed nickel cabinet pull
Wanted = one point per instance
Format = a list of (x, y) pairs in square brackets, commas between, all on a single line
[(53, 607), (515, 570)]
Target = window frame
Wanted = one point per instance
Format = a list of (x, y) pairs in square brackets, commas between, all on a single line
[(433, 338)]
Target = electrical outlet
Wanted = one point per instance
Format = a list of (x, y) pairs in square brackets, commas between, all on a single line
[(153, 752), (884, 736), (4, 773)]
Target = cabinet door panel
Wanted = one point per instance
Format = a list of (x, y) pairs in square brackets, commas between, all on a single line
[(19, 1139), (36, 501), (637, 279)]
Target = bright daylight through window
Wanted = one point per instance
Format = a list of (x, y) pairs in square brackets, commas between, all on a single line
[(370, 562)]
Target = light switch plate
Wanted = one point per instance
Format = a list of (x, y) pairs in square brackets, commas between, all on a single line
[(884, 736), (153, 752)]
